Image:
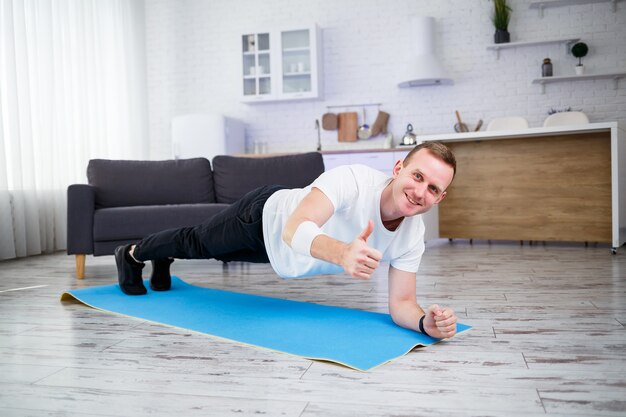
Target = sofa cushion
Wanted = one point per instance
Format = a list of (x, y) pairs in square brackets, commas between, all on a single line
[(119, 223), (121, 183), (235, 176)]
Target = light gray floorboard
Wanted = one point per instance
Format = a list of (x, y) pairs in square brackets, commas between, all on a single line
[(549, 338)]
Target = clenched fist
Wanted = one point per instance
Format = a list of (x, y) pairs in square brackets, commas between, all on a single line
[(440, 322)]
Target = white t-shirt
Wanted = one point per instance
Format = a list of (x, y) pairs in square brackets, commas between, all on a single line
[(355, 192)]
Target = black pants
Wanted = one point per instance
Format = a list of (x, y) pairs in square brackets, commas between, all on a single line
[(234, 234)]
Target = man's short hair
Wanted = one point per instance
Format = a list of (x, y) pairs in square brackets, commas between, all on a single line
[(439, 150)]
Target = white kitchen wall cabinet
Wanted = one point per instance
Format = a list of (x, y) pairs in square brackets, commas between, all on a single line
[(281, 64)]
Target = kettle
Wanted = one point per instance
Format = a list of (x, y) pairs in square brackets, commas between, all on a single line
[(409, 137)]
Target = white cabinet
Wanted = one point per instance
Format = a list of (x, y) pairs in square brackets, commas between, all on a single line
[(334, 160), (281, 64), (382, 161), (400, 155), (256, 68)]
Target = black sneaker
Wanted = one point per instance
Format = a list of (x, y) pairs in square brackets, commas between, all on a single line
[(129, 272), (161, 280)]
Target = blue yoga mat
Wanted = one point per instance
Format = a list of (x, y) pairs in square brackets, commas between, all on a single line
[(358, 339)]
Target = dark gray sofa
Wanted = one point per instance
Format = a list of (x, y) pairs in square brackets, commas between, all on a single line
[(125, 201)]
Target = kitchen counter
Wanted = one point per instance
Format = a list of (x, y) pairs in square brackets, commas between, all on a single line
[(344, 151), (366, 150), (558, 183), (529, 132), (363, 146)]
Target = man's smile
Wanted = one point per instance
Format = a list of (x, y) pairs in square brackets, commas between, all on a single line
[(415, 203)]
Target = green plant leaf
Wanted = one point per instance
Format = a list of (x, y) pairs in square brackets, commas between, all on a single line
[(501, 14)]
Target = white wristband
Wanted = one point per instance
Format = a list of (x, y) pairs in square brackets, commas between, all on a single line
[(303, 237)]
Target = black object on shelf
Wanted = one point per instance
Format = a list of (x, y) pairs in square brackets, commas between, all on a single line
[(546, 68)]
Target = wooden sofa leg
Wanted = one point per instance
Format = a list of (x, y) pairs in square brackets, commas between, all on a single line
[(80, 266)]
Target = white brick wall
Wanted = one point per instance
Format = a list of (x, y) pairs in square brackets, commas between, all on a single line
[(193, 64)]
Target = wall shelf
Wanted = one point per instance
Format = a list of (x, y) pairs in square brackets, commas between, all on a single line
[(615, 76), (497, 46), (541, 5)]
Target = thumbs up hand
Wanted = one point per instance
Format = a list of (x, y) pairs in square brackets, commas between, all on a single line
[(367, 231), (358, 259)]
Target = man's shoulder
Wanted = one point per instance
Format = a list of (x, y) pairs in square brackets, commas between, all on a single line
[(347, 182)]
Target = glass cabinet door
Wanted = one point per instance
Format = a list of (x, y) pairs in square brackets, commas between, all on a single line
[(281, 64), (257, 79), (296, 61)]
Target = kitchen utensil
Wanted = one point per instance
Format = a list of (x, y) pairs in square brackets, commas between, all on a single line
[(409, 137), (388, 141), (479, 125), (319, 137), (365, 132), (460, 126), (380, 124), (348, 126), (329, 121)]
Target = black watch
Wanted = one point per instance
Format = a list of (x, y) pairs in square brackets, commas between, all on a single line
[(421, 326)]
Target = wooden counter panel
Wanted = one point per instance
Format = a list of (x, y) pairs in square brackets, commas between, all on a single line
[(544, 188)]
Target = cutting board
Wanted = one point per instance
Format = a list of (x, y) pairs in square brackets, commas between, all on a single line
[(348, 126)]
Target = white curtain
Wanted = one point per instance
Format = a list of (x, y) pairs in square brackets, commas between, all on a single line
[(72, 88)]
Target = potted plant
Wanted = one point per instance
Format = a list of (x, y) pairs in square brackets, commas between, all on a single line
[(500, 17), (579, 50)]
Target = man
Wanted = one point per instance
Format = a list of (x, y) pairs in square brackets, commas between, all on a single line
[(319, 230)]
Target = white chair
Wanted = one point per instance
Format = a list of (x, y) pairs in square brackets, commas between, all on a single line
[(566, 118), (508, 123)]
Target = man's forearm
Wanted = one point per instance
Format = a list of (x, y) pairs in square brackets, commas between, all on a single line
[(328, 249), (356, 258), (406, 314)]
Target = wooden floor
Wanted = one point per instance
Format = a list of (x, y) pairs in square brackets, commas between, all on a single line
[(548, 339)]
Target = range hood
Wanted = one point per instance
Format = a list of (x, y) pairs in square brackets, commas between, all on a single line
[(423, 67)]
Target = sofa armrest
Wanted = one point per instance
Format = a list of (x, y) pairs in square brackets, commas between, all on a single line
[(81, 205)]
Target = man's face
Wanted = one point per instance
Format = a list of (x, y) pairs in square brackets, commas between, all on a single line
[(420, 184)]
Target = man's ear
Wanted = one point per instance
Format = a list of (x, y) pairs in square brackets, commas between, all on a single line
[(441, 197), (396, 168)]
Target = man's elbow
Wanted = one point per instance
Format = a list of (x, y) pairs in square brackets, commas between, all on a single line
[(396, 319), (395, 310)]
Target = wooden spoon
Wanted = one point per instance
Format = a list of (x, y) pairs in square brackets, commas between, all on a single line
[(460, 126)]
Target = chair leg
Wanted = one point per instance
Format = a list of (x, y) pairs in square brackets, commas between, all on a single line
[(80, 266)]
